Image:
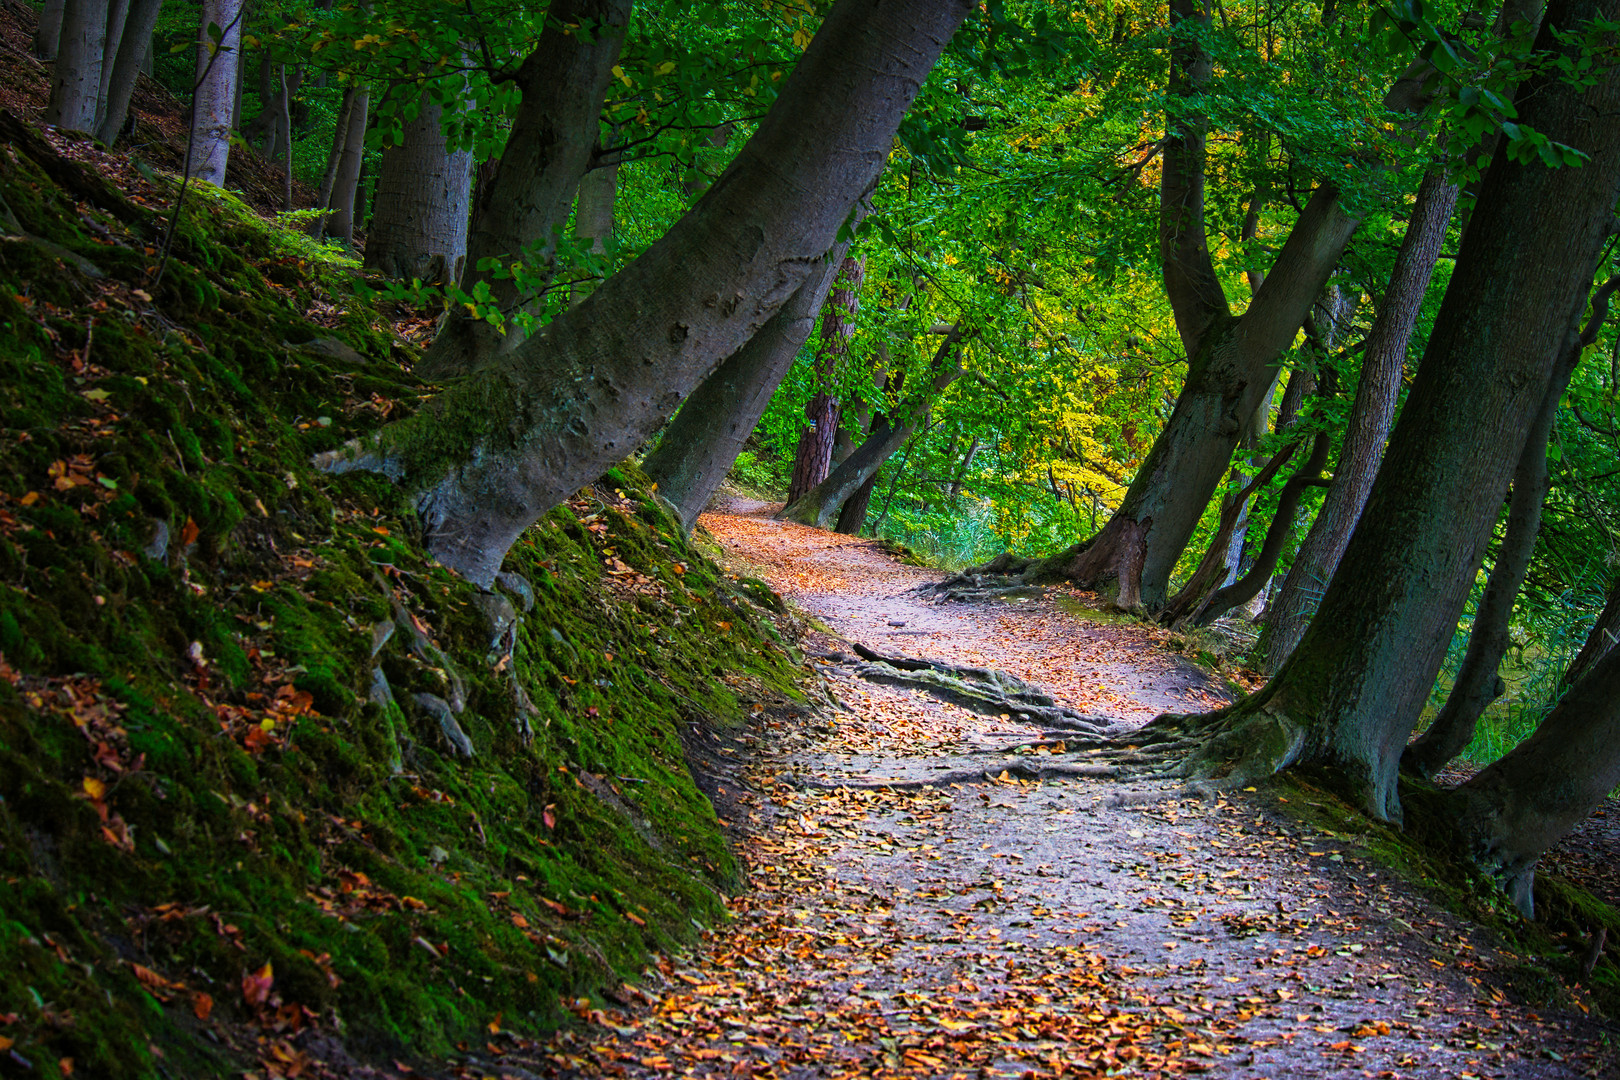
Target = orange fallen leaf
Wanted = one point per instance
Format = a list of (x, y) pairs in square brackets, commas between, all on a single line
[(201, 1006), (256, 985), (189, 533)]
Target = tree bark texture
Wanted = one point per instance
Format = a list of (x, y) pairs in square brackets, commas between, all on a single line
[(134, 47), (419, 226), (1477, 683), (490, 455), (76, 74), (812, 458), (1514, 810), (1348, 697), (564, 82), (1383, 364), (215, 98), (702, 442), (822, 503), (49, 31), (340, 221)]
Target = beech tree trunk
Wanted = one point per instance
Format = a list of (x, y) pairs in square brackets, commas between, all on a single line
[(490, 455), (334, 157), (1605, 632), (1514, 810), (117, 17), (813, 457), (76, 74), (593, 216), (564, 82), (215, 99), (419, 229), (1348, 697), (134, 48), (49, 31), (1477, 683), (340, 222), (821, 504), (1383, 364), (702, 442)]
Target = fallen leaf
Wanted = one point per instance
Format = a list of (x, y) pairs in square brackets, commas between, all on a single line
[(201, 1006), (256, 986)]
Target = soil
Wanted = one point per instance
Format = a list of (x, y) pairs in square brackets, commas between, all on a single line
[(999, 927)]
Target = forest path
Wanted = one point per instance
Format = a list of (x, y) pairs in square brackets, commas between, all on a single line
[(999, 927)]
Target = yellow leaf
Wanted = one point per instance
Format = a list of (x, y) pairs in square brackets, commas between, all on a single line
[(95, 788)]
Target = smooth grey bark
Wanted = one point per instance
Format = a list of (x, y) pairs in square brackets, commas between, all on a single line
[(340, 135), (703, 441), (134, 49), (593, 216), (1515, 809), (492, 454), (1371, 415), (117, 17), (821, 504), (1348, 697), (340, 221), (424, 192), (49, 30), (76, 74), (215, 97), (564, 82), (812, 458), (1478, 683), (284, 139)]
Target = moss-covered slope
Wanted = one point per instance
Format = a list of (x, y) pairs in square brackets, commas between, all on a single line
[(236, 700)]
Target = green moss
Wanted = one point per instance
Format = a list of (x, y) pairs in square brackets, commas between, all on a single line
[(260, 806)]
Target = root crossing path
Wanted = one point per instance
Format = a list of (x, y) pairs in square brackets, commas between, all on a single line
[(916, 912)]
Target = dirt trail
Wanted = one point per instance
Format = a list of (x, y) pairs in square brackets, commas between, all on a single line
[(1000, 927)]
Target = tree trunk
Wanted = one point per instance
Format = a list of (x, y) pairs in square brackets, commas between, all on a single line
[(1517, 808), (49, 31), (1383, 364), (340, 221), (134, 48), (593, 220), (215, 97), (117, 18), (701, 443), (1348, 697), (334, 157), (821, 504), (490, 455), (285, 140), (1605, 632), (564, 82), (813, 458), (419, 230), (1477, 683), (76, 74)]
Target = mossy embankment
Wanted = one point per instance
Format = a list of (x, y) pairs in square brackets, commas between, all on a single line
[(237, 700)]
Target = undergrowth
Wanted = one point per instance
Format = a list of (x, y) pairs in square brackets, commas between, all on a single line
[(236, 698)]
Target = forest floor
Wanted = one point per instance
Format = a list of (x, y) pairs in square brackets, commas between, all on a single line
[(1001, 927)]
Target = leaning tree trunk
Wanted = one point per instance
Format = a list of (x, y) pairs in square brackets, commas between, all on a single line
[(1477, 683), (703, 441), (593, 219), (821, 504), (564, 82), (76, 74), (1370, 417), (1514, 810), (1605, 632), (340, 221), (49, 31), (133, 49), (490, 455), (419, 229), (117, 19), (1348, 697), (813, 457), (215, 98)]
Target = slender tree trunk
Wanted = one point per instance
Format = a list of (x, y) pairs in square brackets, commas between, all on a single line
[(1478, 683), (1370, 417), (134, 49), (285, 140), (1348, 697), (821, 504), (340, 222), (593, 218), (564, 82), (813, 458), (490, 455), (76, 74), (424, 191), (49, 31), (215, 98), (702, 442), (334, 157), (117, 18), (1514, 810), (1605, 632)]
